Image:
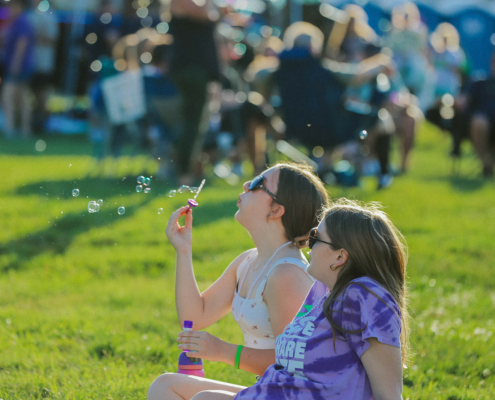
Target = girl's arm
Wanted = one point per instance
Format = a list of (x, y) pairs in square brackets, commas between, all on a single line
[(383, 365), (202, 308), (209, 347), (285, 291)]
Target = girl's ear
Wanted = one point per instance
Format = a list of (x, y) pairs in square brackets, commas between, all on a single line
[(342, 257), (277, 211)]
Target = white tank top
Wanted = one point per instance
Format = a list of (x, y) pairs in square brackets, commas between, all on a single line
[(255, 320)]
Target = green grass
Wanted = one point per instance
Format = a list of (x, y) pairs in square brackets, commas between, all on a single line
[(87, 302)]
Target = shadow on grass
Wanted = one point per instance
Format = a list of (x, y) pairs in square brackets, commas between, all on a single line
[(95, 188), (462, 184), (56, 238)]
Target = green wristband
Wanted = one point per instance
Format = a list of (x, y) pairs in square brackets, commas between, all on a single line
[(238, 356)]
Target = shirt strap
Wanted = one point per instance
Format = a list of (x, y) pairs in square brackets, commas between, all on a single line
[(243, 264)]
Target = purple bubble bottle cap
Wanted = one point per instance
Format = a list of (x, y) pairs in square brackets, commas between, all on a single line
[(192, 202), (188, 324)]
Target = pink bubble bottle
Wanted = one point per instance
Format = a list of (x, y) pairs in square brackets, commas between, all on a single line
[(190, 365)]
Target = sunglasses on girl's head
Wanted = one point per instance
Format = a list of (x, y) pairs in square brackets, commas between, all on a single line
[(313, 238), (257, 183)]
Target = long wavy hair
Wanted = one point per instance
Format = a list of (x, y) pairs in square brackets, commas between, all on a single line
[(376, 249)]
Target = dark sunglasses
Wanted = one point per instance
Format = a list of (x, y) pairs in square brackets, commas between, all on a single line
[(313, 239), (257, 183)]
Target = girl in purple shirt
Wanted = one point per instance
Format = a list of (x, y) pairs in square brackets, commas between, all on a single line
[(349, 341)]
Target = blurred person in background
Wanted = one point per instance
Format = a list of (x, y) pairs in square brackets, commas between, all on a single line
[(19, 64), (226, 99), (163, 105), (386, 97), (312, 91), (347, 41), (193, 65), (448, 59), (101, 34), (47, 33), (103, 135), (240, 115), (449, 62), (106, 30), (354, 42), (259, 75), (481, 102), (408, 39)]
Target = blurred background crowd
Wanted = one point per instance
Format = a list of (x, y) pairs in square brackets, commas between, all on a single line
[(199, 83)]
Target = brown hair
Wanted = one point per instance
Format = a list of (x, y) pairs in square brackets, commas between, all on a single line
[(303, 196), (376, 249)]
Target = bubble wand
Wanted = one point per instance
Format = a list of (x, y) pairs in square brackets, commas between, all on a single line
[(192, 202)]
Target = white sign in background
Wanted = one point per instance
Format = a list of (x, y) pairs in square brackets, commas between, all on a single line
[(124, 97)]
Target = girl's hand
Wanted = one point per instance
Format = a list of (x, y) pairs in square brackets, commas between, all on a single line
[(180, 236), (205, 345)]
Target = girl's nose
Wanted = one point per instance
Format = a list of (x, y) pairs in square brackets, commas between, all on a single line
[(246, 186)]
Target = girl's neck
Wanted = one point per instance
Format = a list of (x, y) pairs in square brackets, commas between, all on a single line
[(269, 244)]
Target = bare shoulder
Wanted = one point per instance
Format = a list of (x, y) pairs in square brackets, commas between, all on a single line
[(288, 276)]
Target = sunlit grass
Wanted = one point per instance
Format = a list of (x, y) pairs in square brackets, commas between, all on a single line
[(87, 302)]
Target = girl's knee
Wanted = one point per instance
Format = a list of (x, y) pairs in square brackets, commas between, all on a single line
[(162, 385)]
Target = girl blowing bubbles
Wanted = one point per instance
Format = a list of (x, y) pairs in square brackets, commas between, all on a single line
[(263, 288), (351, 341)]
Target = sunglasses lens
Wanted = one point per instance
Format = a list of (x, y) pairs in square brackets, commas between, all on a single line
[(256, 182)]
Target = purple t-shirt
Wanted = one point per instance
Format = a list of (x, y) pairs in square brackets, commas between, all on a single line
[(307, 365)]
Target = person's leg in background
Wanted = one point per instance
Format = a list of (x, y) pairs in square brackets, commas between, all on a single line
[(406, 129), (192, 84), (26, 110), (256, 144), (480, 136), (10, 96), (40, 86), (383, 131), (382, 150)]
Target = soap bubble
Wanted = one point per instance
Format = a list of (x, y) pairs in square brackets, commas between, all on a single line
[(121, 210), (160, 210), (140, 179), (93, 207), (139, 188), (99, 202), (147, 190), (193, 189), (363, 134), (75, 192), (183, 189), (172, 193), (147, 181)]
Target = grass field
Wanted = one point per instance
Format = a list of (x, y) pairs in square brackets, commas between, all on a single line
[(87, 301)]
